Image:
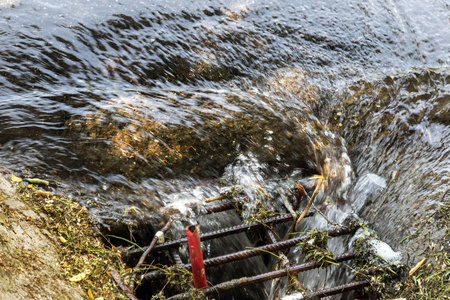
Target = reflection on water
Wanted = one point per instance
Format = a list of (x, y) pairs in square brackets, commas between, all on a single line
[(131, 106)]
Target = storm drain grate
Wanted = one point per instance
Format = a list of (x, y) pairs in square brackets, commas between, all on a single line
[(273, 246)]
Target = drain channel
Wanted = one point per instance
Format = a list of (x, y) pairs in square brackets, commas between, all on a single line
[(273, 246), (220, 260)]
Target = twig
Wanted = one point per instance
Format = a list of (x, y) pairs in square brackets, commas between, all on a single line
[(116, 276), (419, 264), (144, 255), (220, 197), (293, 227), (308, 206)]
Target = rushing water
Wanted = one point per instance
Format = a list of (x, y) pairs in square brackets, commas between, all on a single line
[(135, 106)]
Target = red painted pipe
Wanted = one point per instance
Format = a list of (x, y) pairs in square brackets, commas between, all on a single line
[(195, 251)]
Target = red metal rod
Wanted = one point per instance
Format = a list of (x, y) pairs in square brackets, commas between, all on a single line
[(196, 253)]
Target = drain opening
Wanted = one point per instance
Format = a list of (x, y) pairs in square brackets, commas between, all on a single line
[(153, 281)]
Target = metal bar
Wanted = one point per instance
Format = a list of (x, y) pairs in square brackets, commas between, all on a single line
[(218, 233), (271, 236), (262, 277), (210, 209), (338, 289), (269, 248), (219, 260), (176, 257)]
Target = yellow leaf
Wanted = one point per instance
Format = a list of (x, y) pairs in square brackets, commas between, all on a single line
[(82, 210), (30, 186), (321, 181), (317, 177), (43, 193), (419, 264), (62, 239), (90, 294), (78, 277), (15, 178)]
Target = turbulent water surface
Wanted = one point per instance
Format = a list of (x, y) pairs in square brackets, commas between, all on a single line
[(136, 106)]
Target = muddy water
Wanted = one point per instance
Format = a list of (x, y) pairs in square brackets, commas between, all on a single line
[(135, 106)]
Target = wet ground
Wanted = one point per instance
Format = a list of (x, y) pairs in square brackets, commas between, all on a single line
[(29, 255)]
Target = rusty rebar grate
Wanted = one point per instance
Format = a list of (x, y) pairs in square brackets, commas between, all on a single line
[(273, 246)]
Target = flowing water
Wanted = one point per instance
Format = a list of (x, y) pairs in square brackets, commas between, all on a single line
[(138, 107)]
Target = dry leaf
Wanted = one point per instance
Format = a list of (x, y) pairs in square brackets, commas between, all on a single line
[(300, 192), (15, 178), (321, 181), (37, 181), (82, 210), (419, 264), (317, 177), (62, 239), (78, 277), (43, 193)]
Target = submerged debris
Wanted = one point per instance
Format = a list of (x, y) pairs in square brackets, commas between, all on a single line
[(315, 247), (376, 263)]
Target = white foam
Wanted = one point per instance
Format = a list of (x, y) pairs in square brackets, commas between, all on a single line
[(296, 296), (379, 248), (384, 251)]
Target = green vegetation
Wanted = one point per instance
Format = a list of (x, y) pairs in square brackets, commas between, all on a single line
[(177, 279), (315, 247), (431, 280), (374, 269), (83, 257)]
